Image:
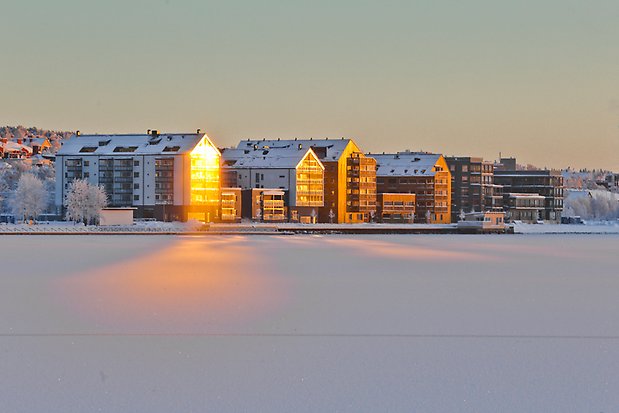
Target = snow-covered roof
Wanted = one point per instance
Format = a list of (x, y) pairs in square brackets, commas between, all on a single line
[(39, 141), (285, 157), (334, 147), (406, 164), (165, 144), (11, 146)]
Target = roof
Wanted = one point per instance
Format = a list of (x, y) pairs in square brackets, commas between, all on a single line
[(335, 147), (406, 164), (11, 146), (127, 145), (285, 157), (524, 195), (39, 141)]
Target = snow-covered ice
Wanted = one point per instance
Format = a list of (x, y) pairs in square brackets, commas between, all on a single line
[(424, 323)]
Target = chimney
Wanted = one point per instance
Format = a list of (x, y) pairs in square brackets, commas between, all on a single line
[(154, 133)]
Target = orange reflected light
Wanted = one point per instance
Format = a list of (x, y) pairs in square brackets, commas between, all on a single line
[(386, 249), (195, 284)]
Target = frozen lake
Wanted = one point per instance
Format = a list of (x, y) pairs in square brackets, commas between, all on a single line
[(309, 323)]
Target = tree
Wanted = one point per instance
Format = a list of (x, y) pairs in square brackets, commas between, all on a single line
[(30, 197), (85, 201)]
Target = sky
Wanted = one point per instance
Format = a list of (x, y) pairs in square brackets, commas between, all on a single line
[(537, 80)]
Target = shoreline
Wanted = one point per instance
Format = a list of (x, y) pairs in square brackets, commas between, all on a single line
[(178, 229)]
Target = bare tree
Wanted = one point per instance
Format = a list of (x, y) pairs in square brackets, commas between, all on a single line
[(30, 197)]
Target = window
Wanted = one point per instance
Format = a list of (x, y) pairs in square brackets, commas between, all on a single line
[(136, 186), (136, 174), (88, 149), (86, 163), (136, 197), (171, 149), (136, 163), (125, 148), (86, 174)]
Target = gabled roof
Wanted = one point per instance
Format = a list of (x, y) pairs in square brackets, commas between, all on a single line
[(128, 145), (334, 147), (406, 164), (42, 141), (285, 157)]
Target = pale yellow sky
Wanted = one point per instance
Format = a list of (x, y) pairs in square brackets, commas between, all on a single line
[(532, 79)]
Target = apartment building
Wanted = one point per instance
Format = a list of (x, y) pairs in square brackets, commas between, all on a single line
[(424, 174), (164, 176), (294, 169), (527, 208), (349, 177), (472, 186), (265, 204), (539, 182)]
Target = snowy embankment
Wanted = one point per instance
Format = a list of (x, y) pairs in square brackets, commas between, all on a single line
[(71, 228), (589, 228)]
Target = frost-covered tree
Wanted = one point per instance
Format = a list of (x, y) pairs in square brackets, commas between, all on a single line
[(84, 202), (592, 205), (30, 197)]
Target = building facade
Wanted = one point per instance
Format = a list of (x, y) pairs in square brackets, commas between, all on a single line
[(538, 182), (424, 174), (472, 186), (396, 208), (295, 169), (349, 177), (164, 176)]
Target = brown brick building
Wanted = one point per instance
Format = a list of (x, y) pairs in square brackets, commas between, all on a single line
[(424, 174)]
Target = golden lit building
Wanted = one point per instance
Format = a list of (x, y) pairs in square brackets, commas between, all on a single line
[(396, 208), (294, 169), (231, 204), (349, 177), (424, 174), (164, 176)]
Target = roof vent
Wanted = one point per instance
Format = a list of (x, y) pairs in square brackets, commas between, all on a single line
[(153, 132), (78, 133), (300, 146), (198, 131)]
